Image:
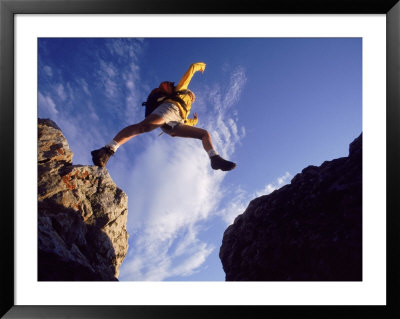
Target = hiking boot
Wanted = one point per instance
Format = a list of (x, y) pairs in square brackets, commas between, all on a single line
[(101, 156), (217, 162)]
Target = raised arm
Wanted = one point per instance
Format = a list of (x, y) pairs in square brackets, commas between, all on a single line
[(184, 82)]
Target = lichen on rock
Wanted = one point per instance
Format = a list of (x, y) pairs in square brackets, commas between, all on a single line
[(82, 214)]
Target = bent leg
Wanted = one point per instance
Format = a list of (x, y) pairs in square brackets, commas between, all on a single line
[(194, 132), (217, 162), (150, 123)]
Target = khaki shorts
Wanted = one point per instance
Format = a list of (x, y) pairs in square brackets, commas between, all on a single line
[(170, 114)]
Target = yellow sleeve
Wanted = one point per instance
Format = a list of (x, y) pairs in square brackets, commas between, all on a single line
[(184, 82), (191, 122)]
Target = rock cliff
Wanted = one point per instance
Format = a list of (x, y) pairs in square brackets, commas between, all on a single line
[(309, 230), (82, 215)]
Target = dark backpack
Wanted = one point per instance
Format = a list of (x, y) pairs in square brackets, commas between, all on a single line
[(166, 90)]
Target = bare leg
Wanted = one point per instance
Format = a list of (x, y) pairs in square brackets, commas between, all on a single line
[(150, 123), (101, 156), (217, 162), (194, 132)]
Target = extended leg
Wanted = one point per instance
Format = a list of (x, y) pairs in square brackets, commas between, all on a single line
[(217, 162), (194, 132), (150, 123), (101, 156)]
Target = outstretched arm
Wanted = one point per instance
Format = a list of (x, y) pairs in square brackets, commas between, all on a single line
[(184, 82)]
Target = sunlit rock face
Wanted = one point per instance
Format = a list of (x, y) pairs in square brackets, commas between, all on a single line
[(82, 215), (309, 230)]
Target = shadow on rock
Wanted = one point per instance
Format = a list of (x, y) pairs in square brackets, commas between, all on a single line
[(82, 215), (309, 230)]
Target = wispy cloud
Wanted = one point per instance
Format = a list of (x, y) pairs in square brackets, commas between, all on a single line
[(223, 123), (47, 104), (236, 205), (124, 48), (241, 198), (48, 70), (85, 86), (119, 77), (59, 88), (107, 76), (280, 181), (92, 112), (132, 82), (107, 69)]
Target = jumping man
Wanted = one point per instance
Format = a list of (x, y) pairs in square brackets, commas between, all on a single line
[(172, 117)]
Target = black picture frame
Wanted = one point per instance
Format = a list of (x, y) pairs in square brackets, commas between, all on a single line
[(8, 9)]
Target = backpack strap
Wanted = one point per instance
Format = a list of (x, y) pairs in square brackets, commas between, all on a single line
[(176, 98), (179, 100)]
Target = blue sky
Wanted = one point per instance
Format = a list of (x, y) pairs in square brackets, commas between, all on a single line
[(272, 105)]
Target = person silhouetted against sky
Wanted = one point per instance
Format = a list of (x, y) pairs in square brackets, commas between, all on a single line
[(167, 107)]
